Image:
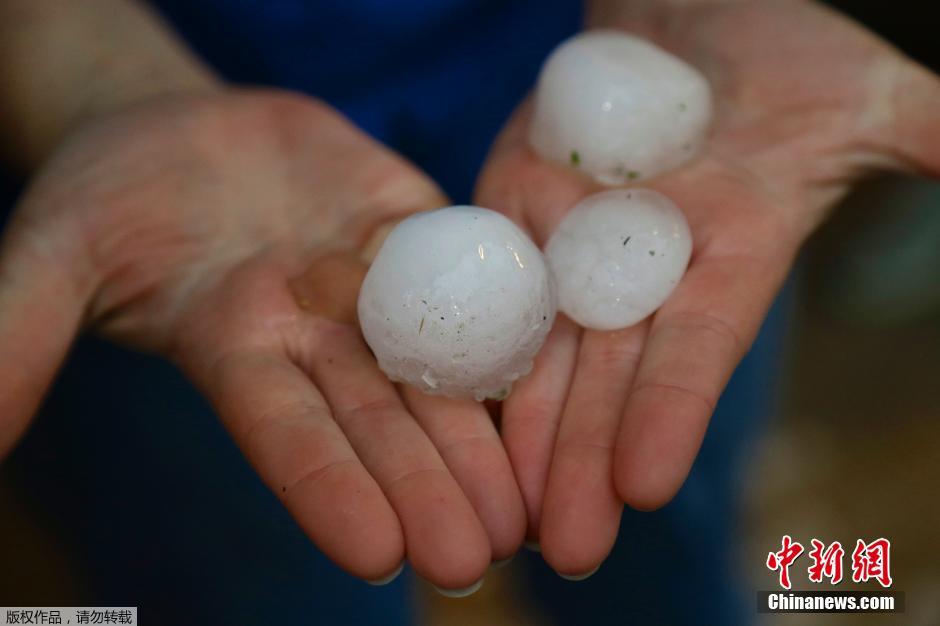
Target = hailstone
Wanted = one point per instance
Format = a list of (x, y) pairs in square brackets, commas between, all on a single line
[(617, 255), (457, 302), (618, 108)]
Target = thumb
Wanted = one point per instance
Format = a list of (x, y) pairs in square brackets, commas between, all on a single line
[(532, 192), (41, 310), (912, 129)]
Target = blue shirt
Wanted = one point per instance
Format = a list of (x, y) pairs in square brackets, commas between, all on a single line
[(434, 79)]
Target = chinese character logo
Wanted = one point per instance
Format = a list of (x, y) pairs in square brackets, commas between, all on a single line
[(869, 561), (827, 563), (872, 560), (783, 559)]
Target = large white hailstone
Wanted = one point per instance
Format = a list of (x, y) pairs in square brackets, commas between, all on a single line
[(619, 108), (617, 255), (457, 302)]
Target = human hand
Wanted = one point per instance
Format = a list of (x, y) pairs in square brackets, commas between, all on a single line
[(223, 231), (806, 102)]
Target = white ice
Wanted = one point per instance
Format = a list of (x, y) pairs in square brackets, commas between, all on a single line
[(619, 108), (457, 302), (617, 255)]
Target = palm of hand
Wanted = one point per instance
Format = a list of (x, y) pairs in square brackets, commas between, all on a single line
[(802, 106), (224, 231), (188, 227)]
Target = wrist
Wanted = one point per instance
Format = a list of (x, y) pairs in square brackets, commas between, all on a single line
[(68, 62), (117, 84)]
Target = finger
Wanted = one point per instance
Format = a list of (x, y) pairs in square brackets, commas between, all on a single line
[(42, 303), (696, 341), (581, 515), (531, 415), (514, 180), (463, 432), (286, 431), (444, 539)]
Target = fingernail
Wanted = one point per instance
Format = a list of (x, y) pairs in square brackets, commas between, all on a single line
[(533, 546), (577, 577), (502, 562), (384, 581), (460, 593)]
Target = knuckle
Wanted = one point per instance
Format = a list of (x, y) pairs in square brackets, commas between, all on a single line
[(708, 399), (716, 326)]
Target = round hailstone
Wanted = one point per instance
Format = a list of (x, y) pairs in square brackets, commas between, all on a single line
[(619, 108), (457, 302), (617, 255)]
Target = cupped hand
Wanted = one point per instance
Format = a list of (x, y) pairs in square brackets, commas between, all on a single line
[(224, 232), (806, 101)]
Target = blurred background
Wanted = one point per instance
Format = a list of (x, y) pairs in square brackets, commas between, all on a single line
[(849, 450)]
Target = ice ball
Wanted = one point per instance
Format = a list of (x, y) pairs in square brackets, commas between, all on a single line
[(617, 255), (619, 108), (457, 302)]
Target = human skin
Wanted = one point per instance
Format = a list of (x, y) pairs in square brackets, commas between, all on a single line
[(226, 229), (807, 102), (222, 229)]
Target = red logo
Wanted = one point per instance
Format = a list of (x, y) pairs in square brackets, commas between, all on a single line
[(783, 559), (872, 560), (869, 561), (826, 563)]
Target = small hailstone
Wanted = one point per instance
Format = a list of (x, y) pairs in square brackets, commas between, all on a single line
[(457, 302), (619, 108), (617, 255)]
